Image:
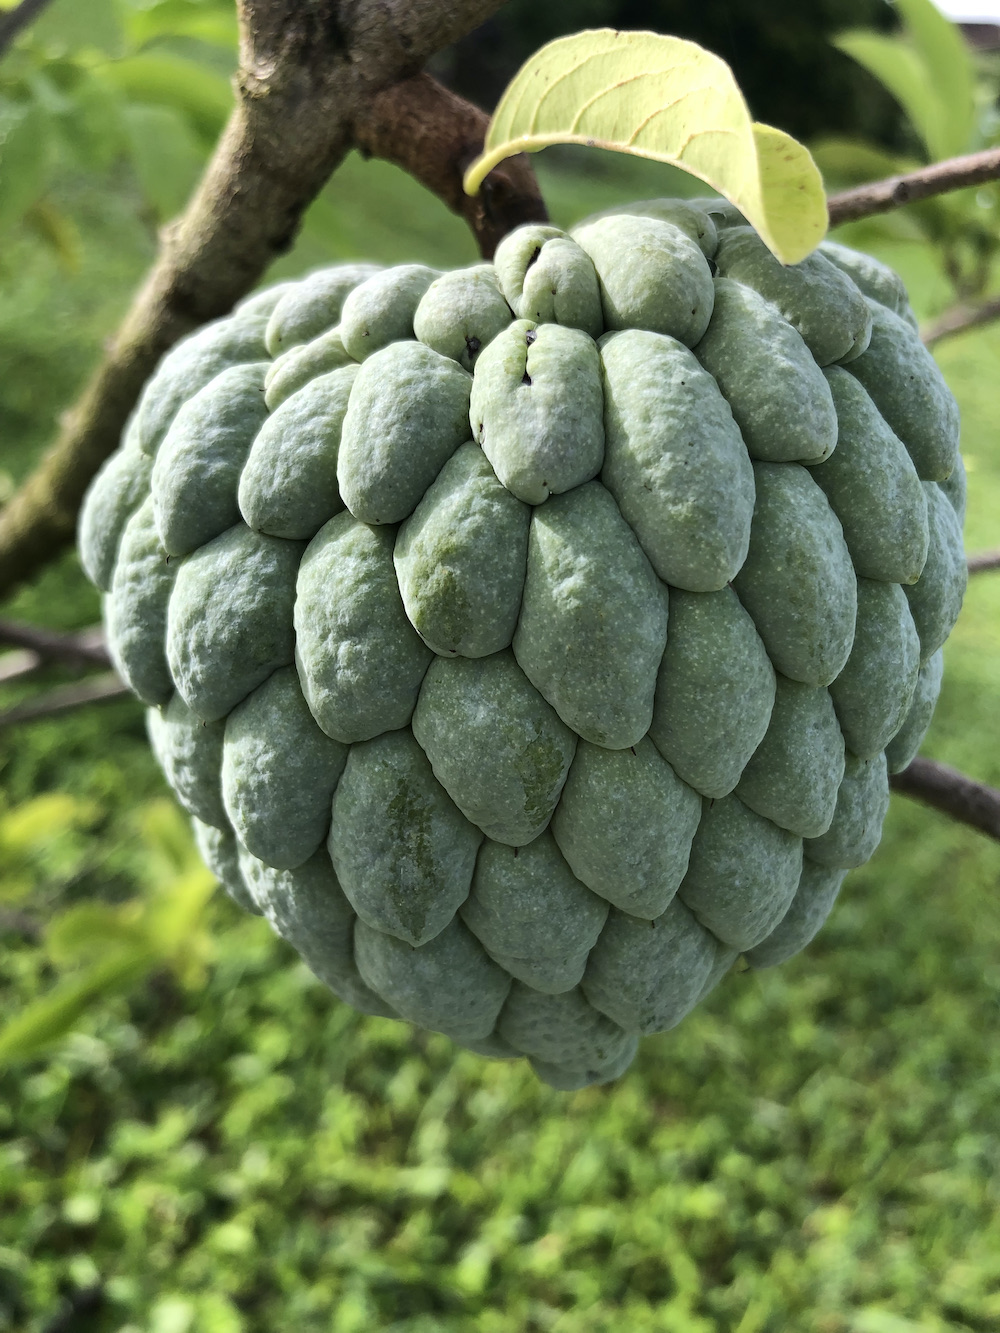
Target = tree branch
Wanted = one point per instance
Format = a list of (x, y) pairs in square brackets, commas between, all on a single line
[(957, 173), (309, 69), (85, 648), (18, 19), (96, 689), (434, 135), (953, 793), (978, 564), (960, 318)]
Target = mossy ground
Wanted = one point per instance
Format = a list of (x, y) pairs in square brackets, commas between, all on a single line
[(815, 1148)]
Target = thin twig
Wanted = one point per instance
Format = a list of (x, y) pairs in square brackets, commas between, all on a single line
[(960, 318), (18, 19), (956, 173), (978, 564), (948, 790), (19, 923), (311, 77), (84, 648), (95, 689), (20, 663)]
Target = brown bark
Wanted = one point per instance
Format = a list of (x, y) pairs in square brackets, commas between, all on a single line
[(957, 173), (434, 135), (978, 564), (960, 318), (948, 790)]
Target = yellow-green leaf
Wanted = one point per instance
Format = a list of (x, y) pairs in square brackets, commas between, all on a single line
[(666, 99)]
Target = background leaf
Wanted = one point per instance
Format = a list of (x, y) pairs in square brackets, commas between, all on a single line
[(902, 71), (948, 61), (25, 155), (166, 155), (669, 100)]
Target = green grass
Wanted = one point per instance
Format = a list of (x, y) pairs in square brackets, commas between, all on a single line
[(815, 1148)]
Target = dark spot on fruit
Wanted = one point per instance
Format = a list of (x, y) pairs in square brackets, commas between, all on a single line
[(516, 850), (534, 255), (472, 345), (530, 337), (632, 748)]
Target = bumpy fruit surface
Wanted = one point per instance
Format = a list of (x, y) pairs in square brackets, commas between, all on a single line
[(527, 642)]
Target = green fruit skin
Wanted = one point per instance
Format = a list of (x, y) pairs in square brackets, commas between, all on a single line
[(295, 368), (537, 410), (114, 495), (646, 975), (777, 393), (532, 915), (563, 1030), (380, 310), (230, 619), (219, 850), (862, 805), (743, 873), (675, 461), (229, 623), (460, 559), (307, 908), (313, 306), (954, 487), (903, 747), (449, 985), (190, 753), (279, 772), (191, 365), (873, 488), (798, 582), (403, 852), (652, 275), (288, 487), (812, 904), (460, 313), (796, 771), (686, 214), (550, 280), (197, 468), (714, 691), (136, 610), (360, 661), (936, 599), (873, 279), (815, 296), (873, 693), (407, 414), (593, 620), (905, 384), (625, 824), (499, 750)]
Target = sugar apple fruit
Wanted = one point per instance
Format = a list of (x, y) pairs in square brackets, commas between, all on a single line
[(528, 642)]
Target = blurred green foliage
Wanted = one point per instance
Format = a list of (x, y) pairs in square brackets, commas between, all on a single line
[(91, 83), (949, 95), (225, 1148)]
